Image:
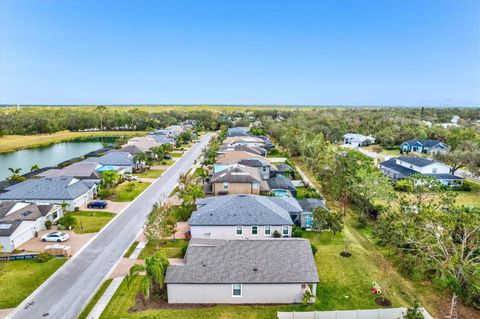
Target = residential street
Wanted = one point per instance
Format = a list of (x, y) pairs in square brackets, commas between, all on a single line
[(67, 291)]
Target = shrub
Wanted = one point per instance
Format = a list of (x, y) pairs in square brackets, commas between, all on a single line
[(67, 221), (43, 257), (276, 234), (184, 250), (463, 188), (314, 249), (403, 185), (297, 231), (48, 225), (104, 193)]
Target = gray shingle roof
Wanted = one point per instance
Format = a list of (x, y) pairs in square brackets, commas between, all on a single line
[(444, 176), (309, 204), (46, 188), (16, 215), (81, 170), (236, 174), (417, 161), (240, 210), (212, 261), (402, 170), (113, 158), (281, 182)]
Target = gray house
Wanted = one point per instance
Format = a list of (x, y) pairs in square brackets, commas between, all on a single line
[(81, 170), (267, 271), (20, 221), (239, 217), (118, 159), (51, 190)]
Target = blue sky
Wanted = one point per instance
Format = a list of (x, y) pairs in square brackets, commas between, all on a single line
[(359, 52)]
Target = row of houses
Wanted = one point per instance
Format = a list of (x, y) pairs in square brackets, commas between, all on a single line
[(241, 249), (26, 206)]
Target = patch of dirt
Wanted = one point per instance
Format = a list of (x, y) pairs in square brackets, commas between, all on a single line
[(345, 254), (384, 302), (160, 302)]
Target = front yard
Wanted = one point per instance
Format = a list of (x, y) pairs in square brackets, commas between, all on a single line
[(91, 221), (19, 278), (151, 173), (173, 249), (128, 191)]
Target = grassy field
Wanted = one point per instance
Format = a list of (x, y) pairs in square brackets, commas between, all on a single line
[(176, 154), (151, 173), (90, 221), (18, 279), (96, 297), (173, 249), (128, 191), (471, 198), (10, 143)]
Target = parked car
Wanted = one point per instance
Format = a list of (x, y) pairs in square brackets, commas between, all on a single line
[(98, 204), (167, 157), (56, 236)]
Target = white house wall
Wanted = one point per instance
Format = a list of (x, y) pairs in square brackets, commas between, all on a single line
[(222, 293), (230, 232)]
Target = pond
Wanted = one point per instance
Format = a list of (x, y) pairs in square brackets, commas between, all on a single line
[(44, 156)]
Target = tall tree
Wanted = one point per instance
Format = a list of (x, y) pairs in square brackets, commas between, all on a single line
[(160, 224), (101, 109), (465, 155)]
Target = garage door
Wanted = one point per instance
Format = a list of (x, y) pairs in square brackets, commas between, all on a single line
[(21, 238)]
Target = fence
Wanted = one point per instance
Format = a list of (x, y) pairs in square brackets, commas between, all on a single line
[(18, 257), (393, 313)]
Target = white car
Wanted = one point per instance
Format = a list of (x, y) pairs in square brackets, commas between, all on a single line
[(56, 236)]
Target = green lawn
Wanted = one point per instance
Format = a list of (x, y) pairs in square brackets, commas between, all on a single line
[(471, 198), (94, 300), (200, 172), (127, 191), (151, 173), (176, 154), (19, 278), (131, 249), (91, 222), (173, 249)]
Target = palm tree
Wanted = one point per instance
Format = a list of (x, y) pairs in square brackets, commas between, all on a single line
[(34, 168), (15, 174), (109, 179), (101, 109), (154, 268), (140, 159)]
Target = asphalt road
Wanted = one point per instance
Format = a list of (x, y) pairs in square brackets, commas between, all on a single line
[(64, 294)]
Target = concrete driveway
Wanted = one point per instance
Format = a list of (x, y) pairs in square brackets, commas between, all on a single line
[(112, 207), (68, 290), (76, 241)]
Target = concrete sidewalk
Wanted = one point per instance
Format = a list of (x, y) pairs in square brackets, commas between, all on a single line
[(102, 303)]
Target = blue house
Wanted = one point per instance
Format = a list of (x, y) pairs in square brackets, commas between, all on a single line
[(424, 146)]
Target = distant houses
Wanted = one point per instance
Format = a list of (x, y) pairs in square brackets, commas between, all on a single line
[(397, 168), (357, 140), (266, 271), (424, 146)]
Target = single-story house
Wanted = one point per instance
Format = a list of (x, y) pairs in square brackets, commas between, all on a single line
[(240, 217), (118, 159), (238, 179), (308, 205), (266, 271), (236, 156), (20, 221), (397, 168), (424, 146), (250, 149), (282, 183), (357, 140), (238, 131), (164, 139), (51, 190), (80, 170)]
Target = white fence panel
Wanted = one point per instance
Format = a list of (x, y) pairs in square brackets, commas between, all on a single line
[(393, 313)]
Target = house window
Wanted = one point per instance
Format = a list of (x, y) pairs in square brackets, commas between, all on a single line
[(55, 215), (285, 230), (268, 230), (434, 170), (255, 185), (264, 169), (239, 230), (225, 185), (255, 230), (237, 290)]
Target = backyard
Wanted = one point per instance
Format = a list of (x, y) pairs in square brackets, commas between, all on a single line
[(91, 221), (19, 278), (128, 191)]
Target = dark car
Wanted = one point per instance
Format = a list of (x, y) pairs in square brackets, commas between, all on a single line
[(167, 157), (97, 204)]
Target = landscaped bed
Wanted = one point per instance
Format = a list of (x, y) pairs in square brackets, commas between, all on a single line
[(173, 249), (91, 221), (128, 191), (19, 278)]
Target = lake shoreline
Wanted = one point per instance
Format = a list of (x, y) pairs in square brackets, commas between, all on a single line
[(13, 143)]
